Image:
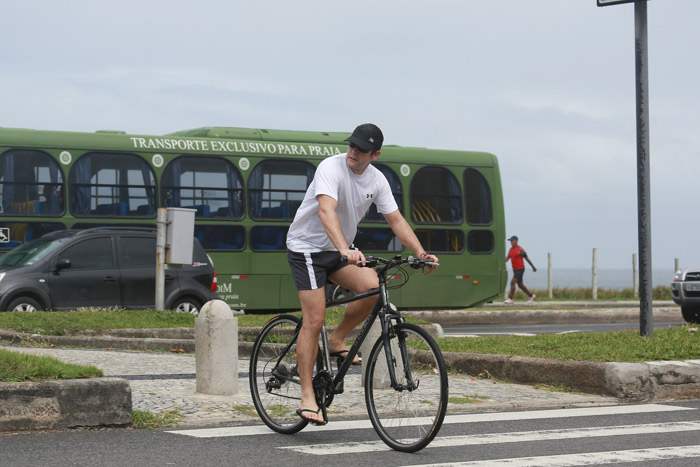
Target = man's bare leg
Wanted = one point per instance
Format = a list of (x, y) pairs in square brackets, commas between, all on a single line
[(313, 306), (358, 280)]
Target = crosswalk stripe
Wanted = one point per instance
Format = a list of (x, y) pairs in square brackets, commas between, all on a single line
[(251, 430), (501, 438), (588, 458)]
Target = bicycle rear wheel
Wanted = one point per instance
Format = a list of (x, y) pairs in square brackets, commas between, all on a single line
[(407, 418), (273, 375)]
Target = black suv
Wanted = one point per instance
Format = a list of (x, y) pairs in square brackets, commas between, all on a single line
[(100, 267)]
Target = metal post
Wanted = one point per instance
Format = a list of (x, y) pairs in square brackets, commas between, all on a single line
[(635, 274), (646, 324), (160, 258), (549, 275), (676, 265), (594, 285)]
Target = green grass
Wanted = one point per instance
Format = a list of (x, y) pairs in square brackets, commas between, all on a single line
[(577, 294), (68, 322), (682, 343), (19, 367), (143, 419)]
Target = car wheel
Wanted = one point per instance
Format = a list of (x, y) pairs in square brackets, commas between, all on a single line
[(691, 314), (187, 305), (24, 304)]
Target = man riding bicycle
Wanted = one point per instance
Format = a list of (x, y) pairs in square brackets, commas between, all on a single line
[(343, 189)]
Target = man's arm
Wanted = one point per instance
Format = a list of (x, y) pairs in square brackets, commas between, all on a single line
[(406, 235), (524, 255), (327, 206)]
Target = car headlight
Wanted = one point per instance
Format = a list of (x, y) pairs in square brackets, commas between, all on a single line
[(678, 277)]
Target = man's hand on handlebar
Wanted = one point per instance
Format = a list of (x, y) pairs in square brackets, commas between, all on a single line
[(354, 256), (433, 258)]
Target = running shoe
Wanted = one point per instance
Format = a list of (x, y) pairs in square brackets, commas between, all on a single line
[(509, 301), (532, 299)]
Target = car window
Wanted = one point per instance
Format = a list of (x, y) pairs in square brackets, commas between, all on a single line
[(93, 253), (31, 252), (137, 252)]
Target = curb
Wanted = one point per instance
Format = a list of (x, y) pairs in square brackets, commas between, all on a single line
[(65, 404), (629, 382), (539, 316)]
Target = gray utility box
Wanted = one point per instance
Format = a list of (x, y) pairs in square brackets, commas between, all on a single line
[(179, 235)]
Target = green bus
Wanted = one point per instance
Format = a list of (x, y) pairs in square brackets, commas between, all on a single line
[(245, 186)]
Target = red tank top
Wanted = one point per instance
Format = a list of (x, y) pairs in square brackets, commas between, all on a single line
[(515, 259)]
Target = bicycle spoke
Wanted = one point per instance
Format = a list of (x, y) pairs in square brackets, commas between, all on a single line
[(407, 419), (274, 381)]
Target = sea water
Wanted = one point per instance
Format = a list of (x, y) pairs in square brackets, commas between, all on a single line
[(583, 278)]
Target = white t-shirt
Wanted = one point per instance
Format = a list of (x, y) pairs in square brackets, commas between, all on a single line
[(354, 194)]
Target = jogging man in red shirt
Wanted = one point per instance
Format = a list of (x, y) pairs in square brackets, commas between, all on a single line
[(516, 254)]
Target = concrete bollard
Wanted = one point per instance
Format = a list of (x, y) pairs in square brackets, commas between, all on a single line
[(216, 349), (374, 333)]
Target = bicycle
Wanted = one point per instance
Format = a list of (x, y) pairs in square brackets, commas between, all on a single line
[(405, 382)]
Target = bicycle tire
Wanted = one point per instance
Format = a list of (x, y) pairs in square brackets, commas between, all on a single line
[(276, 397), (407, 420)]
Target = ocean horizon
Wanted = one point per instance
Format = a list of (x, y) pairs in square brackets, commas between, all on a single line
[(583, 278)]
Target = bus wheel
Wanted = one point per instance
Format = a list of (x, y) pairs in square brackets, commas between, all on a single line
[(187, 305), (24, 304)]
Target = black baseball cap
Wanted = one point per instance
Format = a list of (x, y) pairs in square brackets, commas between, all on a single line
[(367, 137), (513, 238)]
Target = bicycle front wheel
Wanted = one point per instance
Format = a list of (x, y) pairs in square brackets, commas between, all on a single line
[(273, 375), (407, 417)]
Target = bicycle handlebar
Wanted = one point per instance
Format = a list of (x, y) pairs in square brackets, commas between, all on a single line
[(373, 261)]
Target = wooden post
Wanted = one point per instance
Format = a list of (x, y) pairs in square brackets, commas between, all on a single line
[(676, 265), (549, 275), (635, 274), (594, 285)]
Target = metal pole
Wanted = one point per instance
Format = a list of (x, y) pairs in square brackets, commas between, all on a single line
[(594, 270), (646, 324), (635, 275), (160, 258), (549, 275)]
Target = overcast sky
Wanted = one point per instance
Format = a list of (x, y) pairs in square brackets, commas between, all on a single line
[(546, 85)]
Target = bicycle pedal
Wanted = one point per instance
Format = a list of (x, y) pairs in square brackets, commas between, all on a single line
[(340, 387)]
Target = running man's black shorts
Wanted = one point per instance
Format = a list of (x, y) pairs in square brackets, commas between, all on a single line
[(310, 271), (518, 274)]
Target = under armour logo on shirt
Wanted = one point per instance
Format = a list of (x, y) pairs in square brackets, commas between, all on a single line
[(370, 195)]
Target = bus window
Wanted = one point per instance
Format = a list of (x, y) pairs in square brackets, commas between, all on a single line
[(441, 241), (269, 238), (220, 237), (112, 184), (13, 234), (31, 183), (478, 198), (480, 242), (435, 197), (212, 186), (395, 184), (276, 188), (377, 239)]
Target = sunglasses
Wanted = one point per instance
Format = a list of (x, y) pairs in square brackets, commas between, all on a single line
[(358, 148)]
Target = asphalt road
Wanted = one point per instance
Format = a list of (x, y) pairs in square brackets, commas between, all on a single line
[(636, 435)]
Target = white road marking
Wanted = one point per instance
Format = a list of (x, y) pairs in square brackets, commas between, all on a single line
[(588, 458), (465, 418), (502, 438)]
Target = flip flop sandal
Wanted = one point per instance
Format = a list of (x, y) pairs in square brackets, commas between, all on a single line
[(300, 412)]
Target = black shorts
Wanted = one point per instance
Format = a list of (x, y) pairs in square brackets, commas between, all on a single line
[(518, 274), (311, 270)]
